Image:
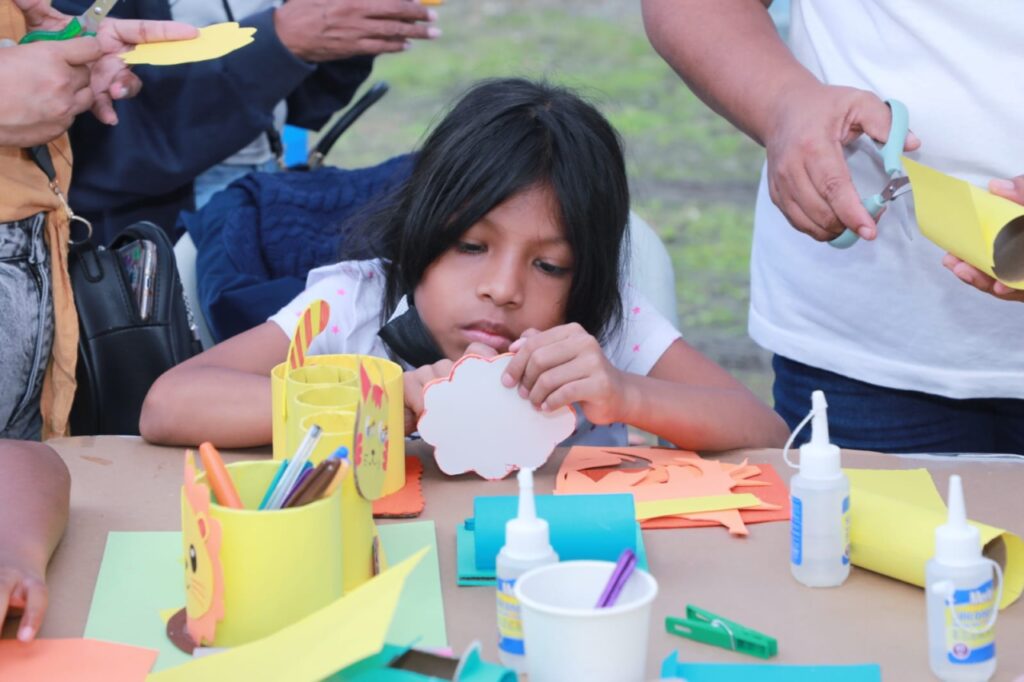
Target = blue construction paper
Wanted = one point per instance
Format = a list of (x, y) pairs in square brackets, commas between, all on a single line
[(468, 574), (582, 526), (673, 668)]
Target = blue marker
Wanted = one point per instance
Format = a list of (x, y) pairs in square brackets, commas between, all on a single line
[(273, 483), (340, 453)]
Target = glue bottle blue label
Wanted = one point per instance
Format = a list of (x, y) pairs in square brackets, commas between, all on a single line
[(968, 644), (846, 530), (796, 551), (510, 621)]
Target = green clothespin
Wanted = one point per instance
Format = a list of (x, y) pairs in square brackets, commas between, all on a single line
[(704, 626)]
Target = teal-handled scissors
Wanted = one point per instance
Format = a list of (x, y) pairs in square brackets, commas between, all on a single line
[(892, 152), (84, 25)]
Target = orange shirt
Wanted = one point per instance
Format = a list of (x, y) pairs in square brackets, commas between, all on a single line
[(24, 191)]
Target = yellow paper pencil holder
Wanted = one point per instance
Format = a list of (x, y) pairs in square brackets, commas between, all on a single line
[(287, 384), (392, 376), (335, 431), (277, 566), (322, 400)]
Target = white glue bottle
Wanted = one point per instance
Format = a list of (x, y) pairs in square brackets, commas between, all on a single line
[(820, 495), (527, 545), (961, 601)]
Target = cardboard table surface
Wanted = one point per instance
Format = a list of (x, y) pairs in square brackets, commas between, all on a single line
[(124, 484)]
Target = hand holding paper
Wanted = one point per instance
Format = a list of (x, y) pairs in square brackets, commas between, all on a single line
[(477, 424), (977, 227), (210, 43), (1008, 189)]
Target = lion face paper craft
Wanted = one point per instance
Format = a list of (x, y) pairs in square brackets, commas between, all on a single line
[(204, 580)]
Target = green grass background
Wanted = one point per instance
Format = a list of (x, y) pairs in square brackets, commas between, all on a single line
[(693, 176)]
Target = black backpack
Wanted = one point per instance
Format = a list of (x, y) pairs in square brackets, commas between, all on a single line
[(120, 355)]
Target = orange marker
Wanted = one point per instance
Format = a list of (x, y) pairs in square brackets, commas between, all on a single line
[(218, 477), (338, 478)]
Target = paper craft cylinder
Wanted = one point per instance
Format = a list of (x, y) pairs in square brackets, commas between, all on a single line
[(897, 538), (392, 375), (582, 526), (567, 638), (323, 400), (357, 531), (277, 566), (278, 410), (336, 431)]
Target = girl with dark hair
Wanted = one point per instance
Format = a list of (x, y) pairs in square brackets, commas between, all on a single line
[(507, 237)]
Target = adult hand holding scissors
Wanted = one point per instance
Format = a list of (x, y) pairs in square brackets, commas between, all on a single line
[(808, 178), (110, 79)]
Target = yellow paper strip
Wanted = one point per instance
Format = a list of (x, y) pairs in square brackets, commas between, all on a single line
[(968, 221), (336, 636), (694, 505), (893, 517), (212, 42)]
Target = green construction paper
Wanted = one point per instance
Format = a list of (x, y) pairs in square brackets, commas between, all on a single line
[(141, 575), (582, 526), (672, 668), (468, 574), (419, 619)]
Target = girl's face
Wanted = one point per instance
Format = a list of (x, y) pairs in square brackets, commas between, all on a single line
[(509, 272)]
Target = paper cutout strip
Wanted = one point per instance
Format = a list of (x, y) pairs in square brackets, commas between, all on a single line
[(212, 42), (976, 226), (476, 424), (666, 477)]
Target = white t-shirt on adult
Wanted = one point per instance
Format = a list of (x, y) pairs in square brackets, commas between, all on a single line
[(205, 12), (887, 312), (354, 290)]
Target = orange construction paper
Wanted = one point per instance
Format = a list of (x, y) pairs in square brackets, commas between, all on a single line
[(407, 502), (82, 660), (662, 474)]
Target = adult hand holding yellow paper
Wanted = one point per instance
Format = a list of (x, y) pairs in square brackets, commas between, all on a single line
[(976, 226), (212, 42)]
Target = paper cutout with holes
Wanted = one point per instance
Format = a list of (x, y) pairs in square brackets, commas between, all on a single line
[(212, 42), (201, 540), (476, 424), (659, 474)]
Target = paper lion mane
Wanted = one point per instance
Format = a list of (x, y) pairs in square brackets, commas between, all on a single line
[(476, 424)]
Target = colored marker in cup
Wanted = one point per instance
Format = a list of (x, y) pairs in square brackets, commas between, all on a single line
[(620, 574)]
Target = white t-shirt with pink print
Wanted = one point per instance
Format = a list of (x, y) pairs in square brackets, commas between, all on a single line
[(354, 290)]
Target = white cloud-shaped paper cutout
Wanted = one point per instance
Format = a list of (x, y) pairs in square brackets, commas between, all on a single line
[(476, 424)]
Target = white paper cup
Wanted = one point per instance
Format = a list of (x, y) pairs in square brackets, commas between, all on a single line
[(567, 638)]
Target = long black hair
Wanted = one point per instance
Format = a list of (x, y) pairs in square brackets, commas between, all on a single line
[(502, 137)]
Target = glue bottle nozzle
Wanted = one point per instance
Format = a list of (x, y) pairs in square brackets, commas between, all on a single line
[(819, 422), (527, 504), (957, 512)]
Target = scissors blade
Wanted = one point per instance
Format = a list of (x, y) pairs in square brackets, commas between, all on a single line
[(892, 190), (92, 17)]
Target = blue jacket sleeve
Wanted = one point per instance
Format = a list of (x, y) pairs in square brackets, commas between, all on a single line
[(192, 116)]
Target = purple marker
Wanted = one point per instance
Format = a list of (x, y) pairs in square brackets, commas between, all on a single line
[(620, 574)]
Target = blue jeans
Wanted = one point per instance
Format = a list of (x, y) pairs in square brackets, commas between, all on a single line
[(869, 417)]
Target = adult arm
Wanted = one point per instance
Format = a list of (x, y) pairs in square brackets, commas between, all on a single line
[(34, 490), (731, 56)]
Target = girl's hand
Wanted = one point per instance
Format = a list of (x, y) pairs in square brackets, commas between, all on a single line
[(414, 380), (566, 365), (22, 590), (1008, 189)]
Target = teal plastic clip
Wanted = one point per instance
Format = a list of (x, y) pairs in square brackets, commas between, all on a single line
[(892, 153), (709, 628)]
